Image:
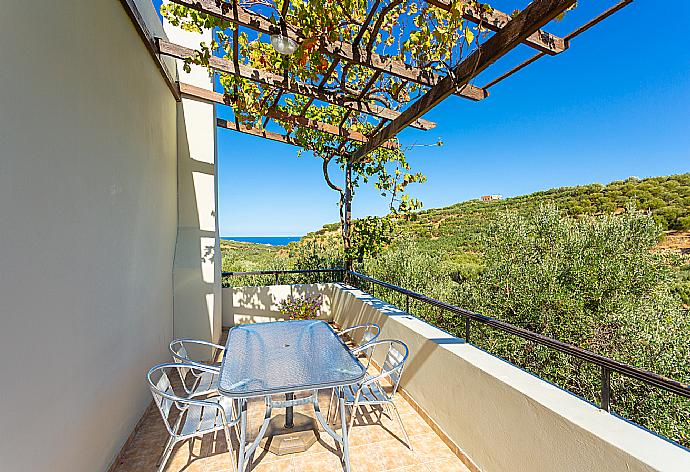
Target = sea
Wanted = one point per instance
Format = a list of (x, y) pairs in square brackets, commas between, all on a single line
[(269, 240)]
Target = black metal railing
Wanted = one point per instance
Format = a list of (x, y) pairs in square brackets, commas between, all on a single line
[(289, 276), (606, 364)]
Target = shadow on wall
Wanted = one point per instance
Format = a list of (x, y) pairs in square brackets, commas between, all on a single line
[(260, 304)]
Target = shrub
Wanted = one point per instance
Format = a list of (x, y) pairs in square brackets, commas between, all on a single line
[(297, 308), (592, 282)]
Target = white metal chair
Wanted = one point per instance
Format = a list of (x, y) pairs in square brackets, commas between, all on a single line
[(371, 392), (203, 381), (371, 334), (195, 418)]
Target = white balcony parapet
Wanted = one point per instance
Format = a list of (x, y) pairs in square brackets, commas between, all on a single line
[(498, 415)]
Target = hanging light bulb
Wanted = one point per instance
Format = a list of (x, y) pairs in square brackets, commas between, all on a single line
[(283, 44)]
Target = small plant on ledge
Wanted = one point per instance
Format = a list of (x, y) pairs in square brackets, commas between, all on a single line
[(298, 308)]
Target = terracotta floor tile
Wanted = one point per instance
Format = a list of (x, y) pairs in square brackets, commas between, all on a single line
[(430, 448), (394, 455), (415, 425), (265, 456), (448, 465), (325, 443), (411, 468), (217, 463), (404, 408), (322, 462), (366, 458), (283, 465), (370, 434)]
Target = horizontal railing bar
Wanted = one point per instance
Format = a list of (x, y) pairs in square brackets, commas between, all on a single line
[(651, 378), (274, 272)]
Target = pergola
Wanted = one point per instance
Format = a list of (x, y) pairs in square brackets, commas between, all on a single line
[(503, 33)]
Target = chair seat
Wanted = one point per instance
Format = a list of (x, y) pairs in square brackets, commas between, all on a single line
[(202, 419), (206, 383), (372, 394)]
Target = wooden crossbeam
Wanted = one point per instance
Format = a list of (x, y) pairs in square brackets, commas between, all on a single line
[(262, 133), (325, 127), (496, 20), (204, 94), (289, 85), (338, 49), (536, 15)]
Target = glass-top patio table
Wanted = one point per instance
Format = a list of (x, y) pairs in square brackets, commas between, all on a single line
[(265, 359)]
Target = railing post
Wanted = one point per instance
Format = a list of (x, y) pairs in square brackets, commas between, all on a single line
[(467, 329), (605, 389), (407, 303), (276, 279)]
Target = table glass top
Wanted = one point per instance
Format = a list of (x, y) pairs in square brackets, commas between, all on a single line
[(285, 356)]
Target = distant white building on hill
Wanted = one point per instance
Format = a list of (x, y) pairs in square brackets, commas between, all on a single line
[(489, 198)]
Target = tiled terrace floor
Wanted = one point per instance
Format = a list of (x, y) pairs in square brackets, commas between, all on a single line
[(376, 444)]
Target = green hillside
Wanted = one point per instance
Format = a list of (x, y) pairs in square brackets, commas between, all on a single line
[(456, 230)]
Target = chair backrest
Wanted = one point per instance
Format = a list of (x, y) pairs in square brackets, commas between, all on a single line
[(394, 362), (163, 393), (178, 350), (371, 333), (181, 357)]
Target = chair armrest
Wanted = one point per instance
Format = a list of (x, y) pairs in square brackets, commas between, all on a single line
[(376, 379), (201, 342), (361, 348), (348, 330)]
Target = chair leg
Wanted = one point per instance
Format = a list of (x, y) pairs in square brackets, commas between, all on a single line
[(330, 404), (163, 460), (353, 412), (402, 426), (229, 443), (389, 412)]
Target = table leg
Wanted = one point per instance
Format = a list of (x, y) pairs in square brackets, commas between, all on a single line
[(343, 423), (246, 453), (341, 438), (243, 435)]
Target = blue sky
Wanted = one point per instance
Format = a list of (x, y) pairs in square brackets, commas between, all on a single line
[(616, 104)]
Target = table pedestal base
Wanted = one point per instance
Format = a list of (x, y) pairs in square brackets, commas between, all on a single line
[(299, 438)]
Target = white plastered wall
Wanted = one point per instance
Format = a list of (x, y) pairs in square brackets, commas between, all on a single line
[(198, 260), (88, 220)]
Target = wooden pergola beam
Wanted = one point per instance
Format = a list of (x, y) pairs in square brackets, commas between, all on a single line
[(536, 15), (324, 127), (495, 20), (262, 133), (339, 50), (289, 85), (215, 97)]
